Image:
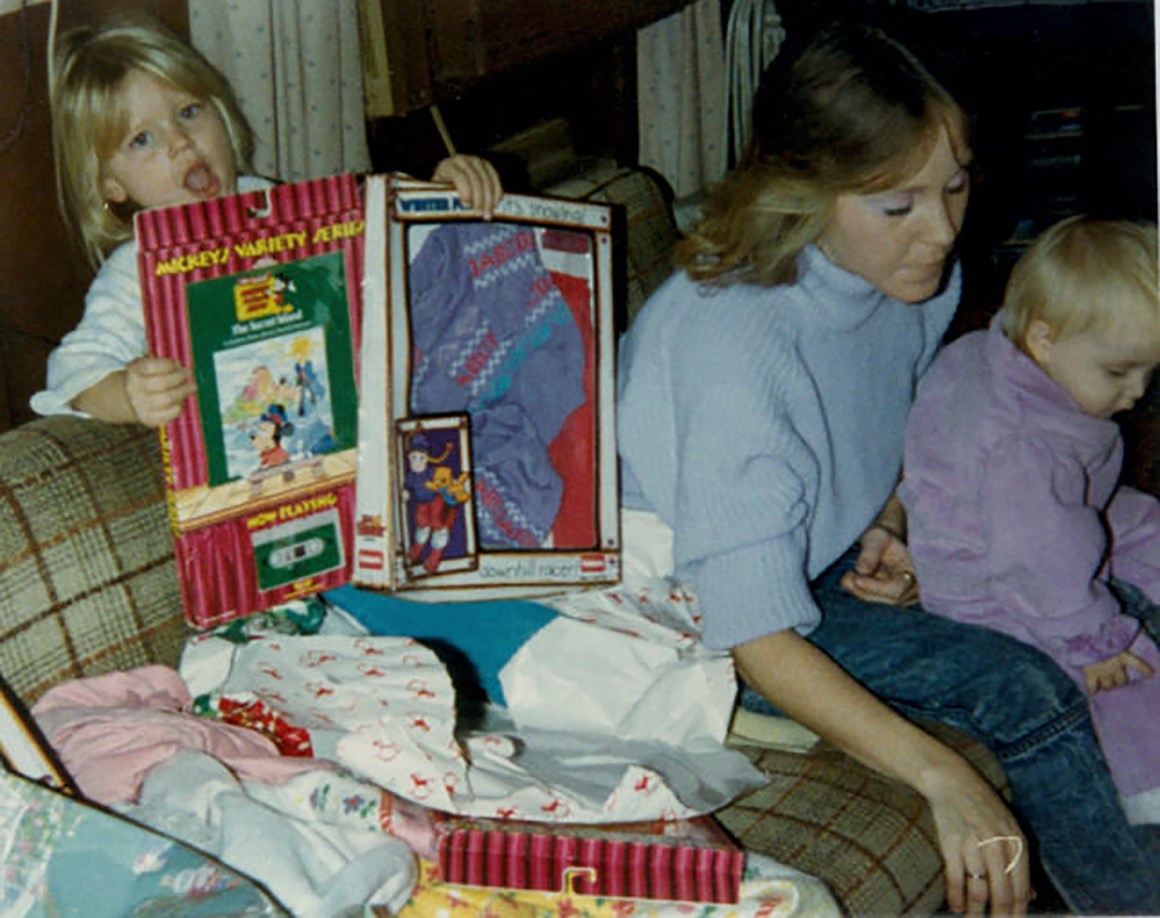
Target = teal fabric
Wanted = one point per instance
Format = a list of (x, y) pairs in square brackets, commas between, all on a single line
[(474, 639)]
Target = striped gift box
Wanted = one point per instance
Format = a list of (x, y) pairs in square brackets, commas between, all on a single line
[(684, 860)]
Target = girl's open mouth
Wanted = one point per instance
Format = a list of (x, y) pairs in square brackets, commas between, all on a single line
[(201, 181)]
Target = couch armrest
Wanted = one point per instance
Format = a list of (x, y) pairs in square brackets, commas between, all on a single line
[(87, 577)]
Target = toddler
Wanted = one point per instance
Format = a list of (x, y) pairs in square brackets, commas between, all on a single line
[(141, 120), (1016, 518)]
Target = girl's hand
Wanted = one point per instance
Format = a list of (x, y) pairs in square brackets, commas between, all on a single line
[(475, 180), (1114, 672), (156, 388), (984, 852), (884, 571)]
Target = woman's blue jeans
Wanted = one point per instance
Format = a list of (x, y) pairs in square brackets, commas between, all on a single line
[(1027, 711)]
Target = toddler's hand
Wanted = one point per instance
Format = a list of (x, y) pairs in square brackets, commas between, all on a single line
[(1114, 672), (475, 180), (157, 388)]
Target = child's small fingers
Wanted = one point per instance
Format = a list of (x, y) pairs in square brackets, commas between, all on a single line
[(182, 392), (476, 192), (490, 189), (165, 385), (152, 366), (470, 191)]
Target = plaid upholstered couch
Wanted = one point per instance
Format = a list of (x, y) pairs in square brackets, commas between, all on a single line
[(88, 585)]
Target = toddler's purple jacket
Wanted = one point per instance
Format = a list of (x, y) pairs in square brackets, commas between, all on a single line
[(1015, 517), (1016, 523)]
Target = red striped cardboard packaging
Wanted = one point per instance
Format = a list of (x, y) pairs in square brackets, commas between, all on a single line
[(259, 294), (686, 860)]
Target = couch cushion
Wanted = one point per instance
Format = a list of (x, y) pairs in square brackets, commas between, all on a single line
[(87, 578)]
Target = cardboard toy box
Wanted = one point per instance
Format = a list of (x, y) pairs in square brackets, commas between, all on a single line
[(259, 293), (685, 860), (487, 453)]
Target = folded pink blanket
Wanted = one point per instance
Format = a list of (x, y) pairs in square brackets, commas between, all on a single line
[(110, 730)]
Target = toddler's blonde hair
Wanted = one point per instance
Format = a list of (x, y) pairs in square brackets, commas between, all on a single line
[(1082, 275), (89, 117)]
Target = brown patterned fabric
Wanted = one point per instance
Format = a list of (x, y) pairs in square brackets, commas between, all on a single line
[(87, 579), (871, 840)]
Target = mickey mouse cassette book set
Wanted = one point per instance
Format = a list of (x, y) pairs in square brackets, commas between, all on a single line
[(259, 294)]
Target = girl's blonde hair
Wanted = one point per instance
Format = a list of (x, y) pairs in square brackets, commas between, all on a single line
[(852, 111), (1082, 275), (89, 118)]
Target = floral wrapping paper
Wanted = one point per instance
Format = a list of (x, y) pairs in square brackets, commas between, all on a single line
[(62, 857)]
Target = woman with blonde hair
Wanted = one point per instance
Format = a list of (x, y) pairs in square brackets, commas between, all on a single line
[(764, 392)]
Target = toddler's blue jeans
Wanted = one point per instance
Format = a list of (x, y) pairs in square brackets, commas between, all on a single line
[(1015, 700)]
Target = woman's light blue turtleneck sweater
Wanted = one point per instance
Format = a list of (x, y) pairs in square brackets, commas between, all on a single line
[(765, 426)]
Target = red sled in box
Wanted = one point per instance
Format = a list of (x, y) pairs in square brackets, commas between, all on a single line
[(684, 860), (259, 294)]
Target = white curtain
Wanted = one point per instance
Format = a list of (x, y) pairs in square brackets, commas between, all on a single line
[(681, 98), (295, 67)]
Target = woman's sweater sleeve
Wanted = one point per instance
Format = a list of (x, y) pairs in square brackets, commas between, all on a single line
[(744, 485), (1046, 547)]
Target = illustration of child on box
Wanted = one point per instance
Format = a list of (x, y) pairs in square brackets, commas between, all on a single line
[(1017, 520), (436, 491)]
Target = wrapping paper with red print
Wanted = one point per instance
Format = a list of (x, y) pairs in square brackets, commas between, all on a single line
[(384, 708), (291, 741), (259, 294)]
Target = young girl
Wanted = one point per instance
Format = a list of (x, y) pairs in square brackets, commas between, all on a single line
[(141, 120), (1012, 462)]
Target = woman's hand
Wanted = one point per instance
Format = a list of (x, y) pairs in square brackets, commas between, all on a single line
[(984, 852), (475, 180), (973, 824), (884, 571)]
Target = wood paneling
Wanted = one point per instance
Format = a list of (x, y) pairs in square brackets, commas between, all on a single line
[(437, 48)]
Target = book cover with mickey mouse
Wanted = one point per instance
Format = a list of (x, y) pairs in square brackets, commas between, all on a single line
[(259, 294)]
